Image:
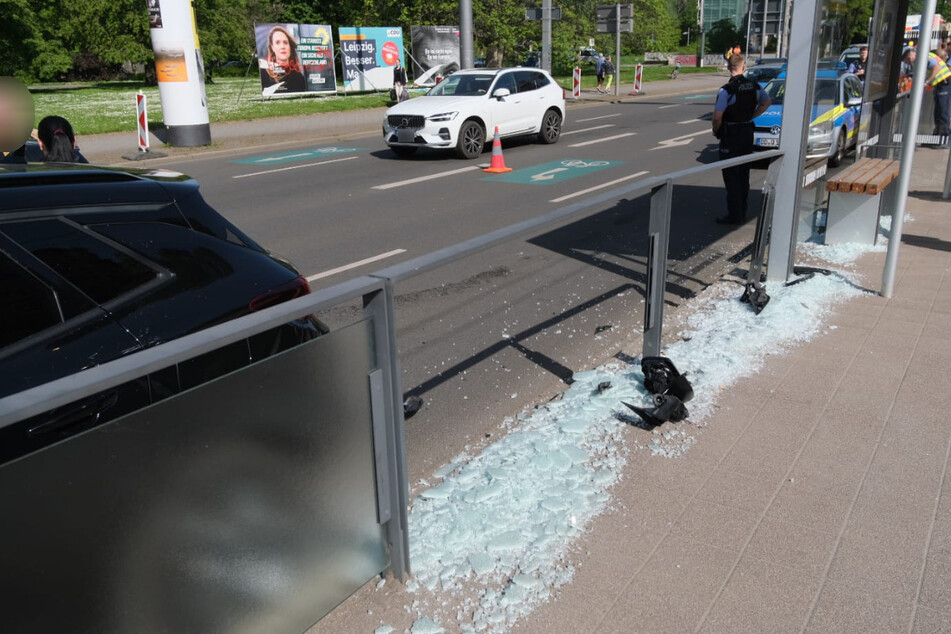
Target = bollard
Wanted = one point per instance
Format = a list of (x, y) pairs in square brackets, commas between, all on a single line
[(143, 120)]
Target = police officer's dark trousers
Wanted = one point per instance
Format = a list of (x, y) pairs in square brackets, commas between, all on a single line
[(942, 105), (736, 139)]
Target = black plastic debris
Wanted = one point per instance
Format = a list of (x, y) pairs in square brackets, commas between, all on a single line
[(411, 405), (603, 385), (603, 328), (755, 295), (806, 273), (666, 408), (662, 377)]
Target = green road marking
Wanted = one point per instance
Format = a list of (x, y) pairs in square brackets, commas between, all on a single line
[(554, 172)]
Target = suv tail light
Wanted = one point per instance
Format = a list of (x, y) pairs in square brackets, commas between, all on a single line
[(298, 287)]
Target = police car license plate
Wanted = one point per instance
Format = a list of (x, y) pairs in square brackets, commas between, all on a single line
[(768, 142)]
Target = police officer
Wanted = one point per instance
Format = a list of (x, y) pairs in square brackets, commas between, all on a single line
[(857, 67), (939, 80), (739, 101)]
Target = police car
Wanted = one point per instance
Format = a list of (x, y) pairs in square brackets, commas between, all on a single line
[(836, 109)]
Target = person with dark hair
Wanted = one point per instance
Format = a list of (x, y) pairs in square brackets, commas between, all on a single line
[(599, 71), (399, 82), (281, 67), (739, 101), (857, 67), (57, 141), (607, 72)]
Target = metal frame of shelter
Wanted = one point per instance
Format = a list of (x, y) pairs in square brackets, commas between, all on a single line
[(805, 29)]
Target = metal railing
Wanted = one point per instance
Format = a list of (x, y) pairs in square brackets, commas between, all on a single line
[(377, 294)]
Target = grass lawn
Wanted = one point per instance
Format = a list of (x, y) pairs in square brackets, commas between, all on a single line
[(94, 108)]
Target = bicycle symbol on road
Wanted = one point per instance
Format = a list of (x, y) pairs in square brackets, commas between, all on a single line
[(582, 164)]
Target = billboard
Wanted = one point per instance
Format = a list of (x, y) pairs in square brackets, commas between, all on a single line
[(369, 55), (295, 58), (435, 52)]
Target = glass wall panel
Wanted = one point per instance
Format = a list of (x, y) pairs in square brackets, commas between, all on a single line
[(247, 504)]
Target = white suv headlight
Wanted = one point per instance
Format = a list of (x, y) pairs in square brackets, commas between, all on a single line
[(442, 116)]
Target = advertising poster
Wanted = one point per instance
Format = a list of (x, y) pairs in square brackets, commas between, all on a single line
[(317, 56), (369, 55), (435, 52), (295, 58), (155, 14)]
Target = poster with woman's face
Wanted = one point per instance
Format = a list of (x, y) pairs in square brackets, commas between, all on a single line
[(278, 59)]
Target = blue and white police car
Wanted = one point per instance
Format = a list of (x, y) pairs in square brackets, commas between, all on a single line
[(836, 109)]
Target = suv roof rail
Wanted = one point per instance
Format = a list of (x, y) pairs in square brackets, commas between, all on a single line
[(84, 177)]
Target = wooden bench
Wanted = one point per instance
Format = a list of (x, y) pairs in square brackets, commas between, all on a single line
[(854, 199)]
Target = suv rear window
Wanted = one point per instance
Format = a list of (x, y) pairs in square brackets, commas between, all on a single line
[(99, 269)]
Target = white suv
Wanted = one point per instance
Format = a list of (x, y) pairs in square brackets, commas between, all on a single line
[(464, 109)]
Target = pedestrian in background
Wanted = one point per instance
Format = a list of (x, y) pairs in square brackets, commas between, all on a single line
[(739, 101), (599, 70), (57, 141), (399, 82), (607, 70), (16, 115)]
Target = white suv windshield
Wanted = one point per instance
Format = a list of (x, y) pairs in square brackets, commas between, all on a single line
[(463, 85)]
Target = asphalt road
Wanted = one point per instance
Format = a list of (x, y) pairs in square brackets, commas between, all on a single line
[(494, 334)]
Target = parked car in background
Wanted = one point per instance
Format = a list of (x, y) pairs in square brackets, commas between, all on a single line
[(98, 264), (533, 60), (836, 110), (767, 60), (762, 73), (478, 62), (464, 110), (586, 55)]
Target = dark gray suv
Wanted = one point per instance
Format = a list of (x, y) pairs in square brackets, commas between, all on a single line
[(99, 263)]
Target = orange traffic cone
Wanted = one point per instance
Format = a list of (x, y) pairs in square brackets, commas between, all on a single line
[(498, 163)]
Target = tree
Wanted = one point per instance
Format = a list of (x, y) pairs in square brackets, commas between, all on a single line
[(89, 38), (20, 38), (855, 20), (225, 30), (722, 35), (654, 28)]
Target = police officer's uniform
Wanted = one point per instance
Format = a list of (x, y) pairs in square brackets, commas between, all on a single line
[(941, 84), (736, 139)]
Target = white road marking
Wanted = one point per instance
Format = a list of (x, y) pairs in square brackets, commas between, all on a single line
[(597, 127), (597, 187), (411, 181), (691, 121), (607, 116), (549, 175), (347, 267), (295, 167), (680, 140), (607, 138), (284, 157), (673, 105)]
